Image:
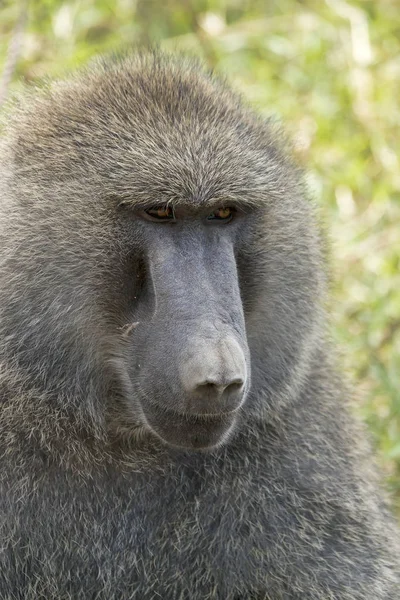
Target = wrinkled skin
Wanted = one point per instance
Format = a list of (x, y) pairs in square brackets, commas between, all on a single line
[(172, 423)]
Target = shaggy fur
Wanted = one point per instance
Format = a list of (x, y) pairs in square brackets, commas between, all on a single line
[(93, 505)]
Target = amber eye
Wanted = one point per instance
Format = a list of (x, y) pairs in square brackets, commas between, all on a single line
[(221, 214), (161, 213)]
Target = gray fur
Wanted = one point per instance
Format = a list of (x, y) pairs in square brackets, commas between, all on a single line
[(99, 310)]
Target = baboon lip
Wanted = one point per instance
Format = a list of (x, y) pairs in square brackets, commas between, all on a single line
[(153, 408), (183, 430)]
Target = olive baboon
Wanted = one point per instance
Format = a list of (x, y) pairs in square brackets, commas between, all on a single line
[(172, 423)]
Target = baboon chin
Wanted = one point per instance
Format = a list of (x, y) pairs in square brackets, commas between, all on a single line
[(172, 421)]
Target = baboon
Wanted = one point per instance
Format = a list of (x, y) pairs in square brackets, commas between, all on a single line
[(173, 425)]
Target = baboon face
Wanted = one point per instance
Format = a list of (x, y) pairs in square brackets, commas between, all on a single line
[(191, 365), (168, 237)]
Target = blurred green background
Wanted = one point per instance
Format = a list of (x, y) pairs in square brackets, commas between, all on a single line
[(330, 70)]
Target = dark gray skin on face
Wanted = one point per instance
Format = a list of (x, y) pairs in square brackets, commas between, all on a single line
[(172, 424), (191, 372)]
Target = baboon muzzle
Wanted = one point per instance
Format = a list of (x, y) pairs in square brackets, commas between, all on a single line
[(200, 361)]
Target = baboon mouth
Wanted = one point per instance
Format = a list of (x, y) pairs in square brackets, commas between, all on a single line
[(190, 431)]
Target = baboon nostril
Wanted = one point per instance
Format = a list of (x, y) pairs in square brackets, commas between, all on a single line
[(213, 396), (234, 387), (219, 387)]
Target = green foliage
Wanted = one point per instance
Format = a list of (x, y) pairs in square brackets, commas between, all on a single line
[(331, 71)]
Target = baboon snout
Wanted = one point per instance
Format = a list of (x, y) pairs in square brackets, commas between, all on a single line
[(214, 376)]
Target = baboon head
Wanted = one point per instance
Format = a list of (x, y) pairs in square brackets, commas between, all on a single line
[(160, 269)]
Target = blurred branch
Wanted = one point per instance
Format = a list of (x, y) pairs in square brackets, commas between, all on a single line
[(204, 40), (360, 37), (13, 52)]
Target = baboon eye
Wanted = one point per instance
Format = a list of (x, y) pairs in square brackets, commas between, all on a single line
[(221, 214), (161, 213)]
